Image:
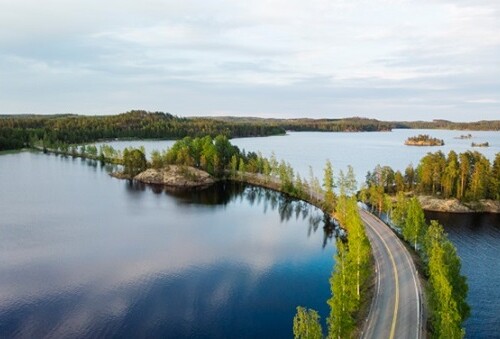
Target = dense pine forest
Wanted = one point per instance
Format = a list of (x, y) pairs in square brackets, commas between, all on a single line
[(357, 124), (468, 176), (18, 131), (21, 131)]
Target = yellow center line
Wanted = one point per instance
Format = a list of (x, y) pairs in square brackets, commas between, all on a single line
[(396, 303)]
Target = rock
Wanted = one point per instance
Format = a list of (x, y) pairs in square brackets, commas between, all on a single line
[(430, 203), (176, 176)]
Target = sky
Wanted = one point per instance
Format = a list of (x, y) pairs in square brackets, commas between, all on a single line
[(384, 59)]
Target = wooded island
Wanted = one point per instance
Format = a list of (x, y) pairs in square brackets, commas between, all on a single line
[(423, 140)]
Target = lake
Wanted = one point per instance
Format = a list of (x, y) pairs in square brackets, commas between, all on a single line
[(363, 150), (476, 237), (84, 254)]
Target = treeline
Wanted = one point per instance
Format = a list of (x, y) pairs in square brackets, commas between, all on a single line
[(357, 124), (322, 125), (20, 131), (133, 160), (348, 282), (468, 176), (483, 125), (350, 277), (447, 286)]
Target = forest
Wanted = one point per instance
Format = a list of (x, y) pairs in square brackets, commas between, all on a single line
[(467, 176), (18, 131), (21, 131), (358, 124)]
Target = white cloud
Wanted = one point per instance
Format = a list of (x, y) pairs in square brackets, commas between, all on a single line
[(199, 49)]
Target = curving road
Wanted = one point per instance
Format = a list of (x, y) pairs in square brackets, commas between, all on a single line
[(396, 310)]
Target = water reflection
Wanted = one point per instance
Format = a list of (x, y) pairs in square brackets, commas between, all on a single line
[(225, 192), (477, 237), (100, 256)]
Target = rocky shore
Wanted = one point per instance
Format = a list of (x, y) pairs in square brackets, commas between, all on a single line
[(173, 176), (430, 203)]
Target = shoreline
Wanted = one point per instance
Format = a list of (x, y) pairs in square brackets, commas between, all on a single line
[(433, 204)]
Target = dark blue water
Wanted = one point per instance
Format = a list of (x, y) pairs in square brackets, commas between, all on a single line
[(477, 239), (83, 254), (86, 255)]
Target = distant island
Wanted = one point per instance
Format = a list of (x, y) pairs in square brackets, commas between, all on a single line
[(424, 140), (480, 144), (465, 136)]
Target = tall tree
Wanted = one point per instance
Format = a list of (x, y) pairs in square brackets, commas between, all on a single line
[(134, 161), (306, 324), (446, 318), (495, 179), (342, 303), (450, 175), (359, 247), (329, 185), (464, 170), (414, 227), (410, 177), (479, 181), (399, 181), (400, 210)]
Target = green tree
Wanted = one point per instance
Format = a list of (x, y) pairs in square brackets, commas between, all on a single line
[(450, 175), (446, 318), (479, 181), (306, 324), (342, 303), (414, 228), (359, 247), (495, 179), (329, 185), (400, 210), (399, 181), (347, 183), (410, 177), (134, 161), (156, 159), (234, 165), (464, 172), (242, 168)]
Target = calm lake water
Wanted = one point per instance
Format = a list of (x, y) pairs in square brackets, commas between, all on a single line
[(363, 151), (85, 255), (476, 237)]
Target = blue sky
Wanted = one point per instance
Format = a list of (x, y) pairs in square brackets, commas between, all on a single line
[(393, 60)]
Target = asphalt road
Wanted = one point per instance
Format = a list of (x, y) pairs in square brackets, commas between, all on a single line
[(396, 310)]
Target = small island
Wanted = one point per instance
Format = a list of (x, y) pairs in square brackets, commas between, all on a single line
[(465, 136), (423, 140), (480, 144)]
